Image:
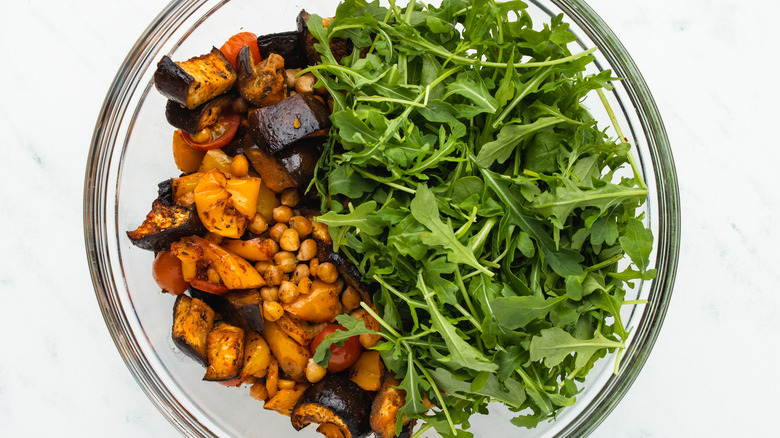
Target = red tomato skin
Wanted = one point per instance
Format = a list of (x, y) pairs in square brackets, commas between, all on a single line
[(235, 43), (232, 383), (207, 286), (232, 121), (342, 357), (167, 273)]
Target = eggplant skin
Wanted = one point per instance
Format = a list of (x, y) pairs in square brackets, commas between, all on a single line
[(263, 84), (337, 400), (193, 120), (240, 308), (164, 224), (339, 47), (193, 319), (284, 44), (193, 82), (280, 125)]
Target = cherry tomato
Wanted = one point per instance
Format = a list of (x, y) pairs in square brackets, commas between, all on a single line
[(342, 357), (221, 133), (235, 382), (207, 286), (166, 271), (235, 43)]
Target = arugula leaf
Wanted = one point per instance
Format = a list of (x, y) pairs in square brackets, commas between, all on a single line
[(508, 138), (554, 344)]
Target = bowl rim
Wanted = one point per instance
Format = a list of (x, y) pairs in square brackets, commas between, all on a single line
[(104, 140)]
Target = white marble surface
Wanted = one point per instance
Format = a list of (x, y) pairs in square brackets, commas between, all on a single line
[(712, 66)]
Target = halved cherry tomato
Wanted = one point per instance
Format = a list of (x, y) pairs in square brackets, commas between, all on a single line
[(342, 357), (221, 133), (235, 43), (207, 286), (167, 272), (235, 382)]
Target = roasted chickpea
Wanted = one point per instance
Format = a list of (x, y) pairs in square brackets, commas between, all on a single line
[(320, 233), (258, 224), (269, 247), (307, 250), (327, 272), (300, 224), (239, 167), (262, 266), (276, 231), (314, 371), (273, 310), (268, 293), (350, 299), (289, 77), (285, 261), (301, 271), (305, 84), (290, 197), (239, 106), (273, 276), (288, 292), (282, 214), (290, 241), (313, 265)]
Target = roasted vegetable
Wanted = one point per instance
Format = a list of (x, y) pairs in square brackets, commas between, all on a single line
[(262, 84), (225, 352), (291, 167), (194, 120), (336, 400), (291, 356), (257, 356), (285, 399), (165, 224), (301, 331), (367, 372), (338, 46), (387, 403), (348, 271), (321, 304), (280, 125), (193, 319), (225, 205), (195, 81), (240, 308), (286, 45), (234, 272)]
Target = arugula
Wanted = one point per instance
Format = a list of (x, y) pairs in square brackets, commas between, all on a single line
[(465, 178)]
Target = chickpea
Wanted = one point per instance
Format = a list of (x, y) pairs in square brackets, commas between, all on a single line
[(301, 271), (258, 224), (307, 251), (290, 241), (239, 106), (276, 231), (282, 214), (273, 276), (288, 292), (300, 224), (212, 275), (320, 233), (262, 266), (305, 84), (350, 299), (289, 77), (273, 310), (327, 272), (269, 248), (304, 286), (314, 371), (269, 293), (339, 284), (290, 197), (313, 265), (285, 261), (239, 167)]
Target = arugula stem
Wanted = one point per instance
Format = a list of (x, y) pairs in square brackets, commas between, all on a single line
[(469, 221), (610, 261), (634, 302), (637, 174), (381, 321), (422, 430), (436, 391), (397, 293)]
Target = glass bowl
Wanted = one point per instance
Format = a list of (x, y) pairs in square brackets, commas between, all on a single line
[(130, 153)]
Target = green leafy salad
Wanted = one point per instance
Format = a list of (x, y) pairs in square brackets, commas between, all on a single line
[(469, 184)]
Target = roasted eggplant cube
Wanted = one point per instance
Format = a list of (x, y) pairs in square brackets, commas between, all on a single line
[(195, 81), (339, 47), (292, 167), (262, 84), (225, 352), (192, 321), (336, 400), (165, 224), (194, 120), (284, 44), (280, 125), (387, 403), (240, 308)]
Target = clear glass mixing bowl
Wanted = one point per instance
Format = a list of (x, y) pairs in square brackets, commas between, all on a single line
[(130, 153)]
